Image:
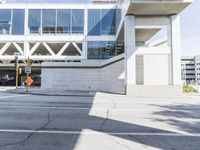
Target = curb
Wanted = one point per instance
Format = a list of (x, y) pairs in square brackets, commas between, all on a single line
[(90, 94)]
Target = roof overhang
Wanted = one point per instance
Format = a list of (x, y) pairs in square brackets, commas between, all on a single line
[(142, 35), (145, 34), (157, 7)]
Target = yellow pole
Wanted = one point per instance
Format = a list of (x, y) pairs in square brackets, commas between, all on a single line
[(16, 77), (16, 68), (27, 75), (27, 82)]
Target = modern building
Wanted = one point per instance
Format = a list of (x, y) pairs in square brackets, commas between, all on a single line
[(197, 68), (190, 69), (99, 46)]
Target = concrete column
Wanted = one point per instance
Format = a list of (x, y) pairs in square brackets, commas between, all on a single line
[(26, 32), (130, 63), (85, 33), (175, 43)]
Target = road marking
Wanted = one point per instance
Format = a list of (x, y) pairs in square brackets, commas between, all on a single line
[(43, 107), (4, 97), (99, 133), (67, 108)]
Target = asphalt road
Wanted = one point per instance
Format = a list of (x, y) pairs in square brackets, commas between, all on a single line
[(103, 122)]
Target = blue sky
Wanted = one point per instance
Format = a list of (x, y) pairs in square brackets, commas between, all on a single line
[(190, 25), (190, 29)]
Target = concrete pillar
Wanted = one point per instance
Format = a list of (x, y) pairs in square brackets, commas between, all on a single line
[(26, 32), (130, 63), (175, 43)]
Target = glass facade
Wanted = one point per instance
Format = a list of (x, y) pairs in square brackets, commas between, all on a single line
[(63, 21), (77, 21), (101, 22), (118, 18), (101, 50), (59, 21), (107, 49), (108, 21), (34, 21), (18, 22), (12, 21), (49, 21), (94, 22), (93, 50), (5, 21), (67, 21)]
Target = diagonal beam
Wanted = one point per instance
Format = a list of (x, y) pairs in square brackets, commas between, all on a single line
[(77, 48), (18, 48), (48, 48), (63, 49), (4, 48), (34, 48)]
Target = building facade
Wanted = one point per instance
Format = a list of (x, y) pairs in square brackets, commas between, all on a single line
[(190, 69), (197, 68), (77, 43)]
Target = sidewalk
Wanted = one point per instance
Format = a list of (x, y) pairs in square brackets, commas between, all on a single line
[(52, 92), (48, 92)]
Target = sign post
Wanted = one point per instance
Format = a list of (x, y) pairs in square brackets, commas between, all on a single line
[(28, 81)]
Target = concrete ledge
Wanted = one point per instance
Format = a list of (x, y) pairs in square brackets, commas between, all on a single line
[(48, 92), (153, 91), (83, 64)]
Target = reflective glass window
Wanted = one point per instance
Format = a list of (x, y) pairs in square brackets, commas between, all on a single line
[(18, 22), (93, 50), (94, 22), (34, 20), (48, 21), (5, 21), (108, 22), (119, 48), (77, 21), (63, 21), (107, 49), (118, 18), (100, 50)]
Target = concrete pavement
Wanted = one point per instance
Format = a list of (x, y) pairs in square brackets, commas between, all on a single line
[(51, 92), (102, 122), (47, 92)]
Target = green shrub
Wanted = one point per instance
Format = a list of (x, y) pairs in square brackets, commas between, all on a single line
[(189, 89)]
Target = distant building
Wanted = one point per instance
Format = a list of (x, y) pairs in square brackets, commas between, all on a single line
[(197, 68), (190, 69)]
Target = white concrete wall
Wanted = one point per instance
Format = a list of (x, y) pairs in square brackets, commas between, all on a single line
[(150, 70), (109, 78), (156, 70), (153, 75), (139, 70)]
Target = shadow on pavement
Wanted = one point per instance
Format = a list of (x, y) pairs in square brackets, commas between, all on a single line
[(73, 120), (185, 117)]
